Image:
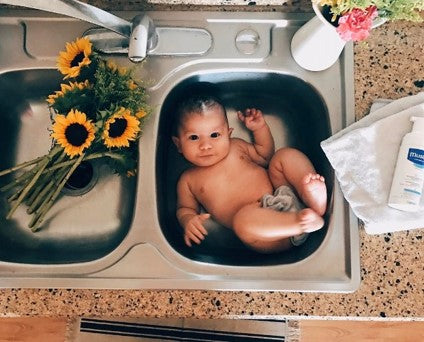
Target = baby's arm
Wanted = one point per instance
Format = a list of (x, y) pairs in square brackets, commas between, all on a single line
[(187, 213), (263, 144)]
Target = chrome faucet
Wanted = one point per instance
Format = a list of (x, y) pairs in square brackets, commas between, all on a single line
[(140, 31)]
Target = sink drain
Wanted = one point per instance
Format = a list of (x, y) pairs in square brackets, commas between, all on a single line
[(82, 180)]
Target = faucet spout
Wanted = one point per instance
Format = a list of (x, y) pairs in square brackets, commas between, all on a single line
[(143, 37), (79, 10)]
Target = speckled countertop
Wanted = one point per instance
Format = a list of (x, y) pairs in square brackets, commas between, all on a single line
[(389, 65)]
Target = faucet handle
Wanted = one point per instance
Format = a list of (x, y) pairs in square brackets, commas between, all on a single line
[(143, 37)]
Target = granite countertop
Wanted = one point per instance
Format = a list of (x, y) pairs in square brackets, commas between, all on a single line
[(388, 65)]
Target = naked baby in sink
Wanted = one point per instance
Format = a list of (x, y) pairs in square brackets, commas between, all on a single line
[(230, 180)]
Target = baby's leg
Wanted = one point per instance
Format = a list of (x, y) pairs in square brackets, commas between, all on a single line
[(266, 230), (289, 166)]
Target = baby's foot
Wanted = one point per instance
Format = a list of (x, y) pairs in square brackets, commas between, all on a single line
[(314, 192), (309, 220)]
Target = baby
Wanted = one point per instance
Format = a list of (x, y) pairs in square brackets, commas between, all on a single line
[(233, 180)]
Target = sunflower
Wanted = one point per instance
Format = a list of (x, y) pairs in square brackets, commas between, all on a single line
[(112, 65), (115, 68), (75, 57), (120, 129), (132, 85), (64, 88), (141, 113), (73, 132)]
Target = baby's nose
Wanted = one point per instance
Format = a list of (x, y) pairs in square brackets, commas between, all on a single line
[(205, 144)]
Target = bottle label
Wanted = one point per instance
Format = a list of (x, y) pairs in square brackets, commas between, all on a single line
[(416, 156)]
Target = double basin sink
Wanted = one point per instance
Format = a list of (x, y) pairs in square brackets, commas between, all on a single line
[(122, 232)]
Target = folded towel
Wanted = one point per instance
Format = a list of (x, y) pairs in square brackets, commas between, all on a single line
[(364, 156)]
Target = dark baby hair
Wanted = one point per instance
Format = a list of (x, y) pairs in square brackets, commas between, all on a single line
[(196, 104)]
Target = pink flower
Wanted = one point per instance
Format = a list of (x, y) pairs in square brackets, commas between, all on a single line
[(356, 24)]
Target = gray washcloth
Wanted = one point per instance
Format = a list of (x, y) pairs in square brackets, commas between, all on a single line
[(284, 199)]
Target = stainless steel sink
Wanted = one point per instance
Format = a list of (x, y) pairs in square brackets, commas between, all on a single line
[(123, 233)]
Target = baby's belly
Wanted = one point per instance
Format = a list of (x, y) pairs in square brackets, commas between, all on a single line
[(224, 204)]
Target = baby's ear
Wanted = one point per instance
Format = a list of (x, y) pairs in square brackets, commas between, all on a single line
[(177, 143), (230, 130)]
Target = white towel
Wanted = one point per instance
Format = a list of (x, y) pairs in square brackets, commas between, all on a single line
[(364, 157)]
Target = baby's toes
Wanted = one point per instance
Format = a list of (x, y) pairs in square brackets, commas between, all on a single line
[(307, 178), (318, 177)]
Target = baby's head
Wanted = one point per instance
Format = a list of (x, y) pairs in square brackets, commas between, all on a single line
[(202, 133)]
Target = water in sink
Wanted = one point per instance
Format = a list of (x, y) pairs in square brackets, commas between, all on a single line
[(297, 117), (78, 228)]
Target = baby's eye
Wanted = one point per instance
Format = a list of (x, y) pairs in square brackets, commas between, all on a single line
[(193, 137), (215, 135)]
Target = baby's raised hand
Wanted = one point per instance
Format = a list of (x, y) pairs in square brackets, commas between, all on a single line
[(194, 229), (252, 118)]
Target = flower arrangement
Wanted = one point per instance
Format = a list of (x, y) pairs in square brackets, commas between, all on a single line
[(353, 18), (98, 113)]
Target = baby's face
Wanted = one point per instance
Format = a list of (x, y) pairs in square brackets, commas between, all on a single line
[(204, 139)]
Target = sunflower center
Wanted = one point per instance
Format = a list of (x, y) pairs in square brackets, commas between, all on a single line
[(77, 59), (117, 128), (76, 134)]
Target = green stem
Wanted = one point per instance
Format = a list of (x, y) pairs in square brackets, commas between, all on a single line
[(27, 188), (32, 195), (44, 179), (20, 180), (45, 193), (40, 168), (23, 178), (88, 157), (15, 195), (39, 216), (20, 166)]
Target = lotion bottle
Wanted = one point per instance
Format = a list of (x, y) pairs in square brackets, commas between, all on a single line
[(408, 179)]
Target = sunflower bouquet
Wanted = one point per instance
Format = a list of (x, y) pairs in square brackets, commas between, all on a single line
[(97, 113)]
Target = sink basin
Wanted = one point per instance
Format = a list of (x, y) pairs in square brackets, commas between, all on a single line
[(82, 225), (297, 116), (123, 233)]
